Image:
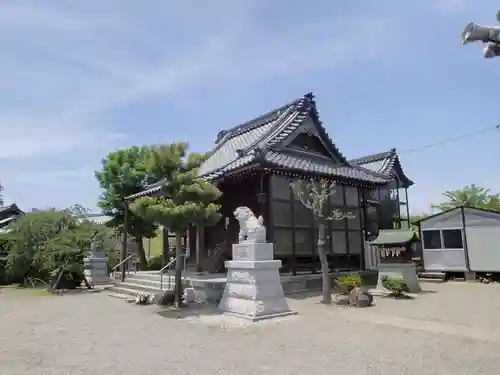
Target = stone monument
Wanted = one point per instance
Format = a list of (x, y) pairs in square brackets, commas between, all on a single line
[(253, 289), (96, 265)]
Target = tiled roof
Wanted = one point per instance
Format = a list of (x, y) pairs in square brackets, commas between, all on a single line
[(383, 162), (150, 190), (254, 142), (13, 208), (312, 164), (394, 236), (244, 144)]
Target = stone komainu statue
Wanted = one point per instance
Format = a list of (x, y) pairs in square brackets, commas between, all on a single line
[(252, 229)]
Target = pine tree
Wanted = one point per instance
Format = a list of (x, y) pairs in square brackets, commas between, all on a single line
[(185, 200)]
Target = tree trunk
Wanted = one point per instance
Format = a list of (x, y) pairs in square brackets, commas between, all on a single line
[(200, 246), (327, 283), (178, 269), (165, 246), (141, 253)]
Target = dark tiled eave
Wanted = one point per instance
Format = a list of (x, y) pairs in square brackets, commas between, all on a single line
[(323, 168), (153, 190), (13, 208), (374, 157), (391, 165)]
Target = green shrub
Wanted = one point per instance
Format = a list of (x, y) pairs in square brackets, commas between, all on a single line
[(347, 283), (369, 278), (4, 279), (44, 244), (155, 263), (396, 286)]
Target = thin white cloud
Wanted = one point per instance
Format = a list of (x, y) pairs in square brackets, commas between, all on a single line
[(64, 66), (450, 6)]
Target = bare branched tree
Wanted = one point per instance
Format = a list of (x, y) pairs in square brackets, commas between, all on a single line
[(315, 195)]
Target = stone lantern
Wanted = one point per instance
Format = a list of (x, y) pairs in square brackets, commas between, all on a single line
[(96, 265)]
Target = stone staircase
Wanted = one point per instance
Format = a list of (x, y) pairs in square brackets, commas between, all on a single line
[(211, 285), (148, 282)]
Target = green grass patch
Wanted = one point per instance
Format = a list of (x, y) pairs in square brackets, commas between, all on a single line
[(156, 245), (20, 291)]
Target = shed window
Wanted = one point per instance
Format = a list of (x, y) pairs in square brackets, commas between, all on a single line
[(452, 239), (432, 239)]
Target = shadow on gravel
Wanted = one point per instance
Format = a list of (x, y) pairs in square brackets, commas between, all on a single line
[(427, 292), (304, 295), (190, 311)]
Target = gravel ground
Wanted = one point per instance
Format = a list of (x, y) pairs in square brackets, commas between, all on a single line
[(462, 303), (95, 334)]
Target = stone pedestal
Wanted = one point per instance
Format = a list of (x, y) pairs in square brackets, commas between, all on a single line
[(96, 267), (405, 271), (253, 289)]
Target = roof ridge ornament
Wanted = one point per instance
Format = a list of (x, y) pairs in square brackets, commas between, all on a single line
[(309, 96)]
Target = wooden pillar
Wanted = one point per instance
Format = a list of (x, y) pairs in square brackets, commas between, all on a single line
[(200, 247), (362, 223), (399, 226), (262, 195), (165, 246), (293, 258), (407, 208), (124, 243)]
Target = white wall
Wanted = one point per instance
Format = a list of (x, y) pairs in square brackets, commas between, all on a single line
[(447, 260), (483, 244)]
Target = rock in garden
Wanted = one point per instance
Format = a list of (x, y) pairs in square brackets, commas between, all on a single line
[(189, 295), (165, 298), (360, 298), (341, 299)]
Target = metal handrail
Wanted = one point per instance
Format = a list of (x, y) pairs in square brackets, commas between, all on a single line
[(167, 266), (113, 270), (123, 261)]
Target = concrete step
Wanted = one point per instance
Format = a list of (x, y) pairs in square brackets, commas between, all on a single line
[(127, 290), (151, 283), (118, 291), (120, 296), (154, 276), (140, 287), (430, 280), (432, 275), (142, 282), (436, 277)]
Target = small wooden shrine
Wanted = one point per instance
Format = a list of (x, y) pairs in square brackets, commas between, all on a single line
[(395, 246)]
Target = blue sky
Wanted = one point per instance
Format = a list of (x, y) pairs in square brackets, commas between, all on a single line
[(79, 79)]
